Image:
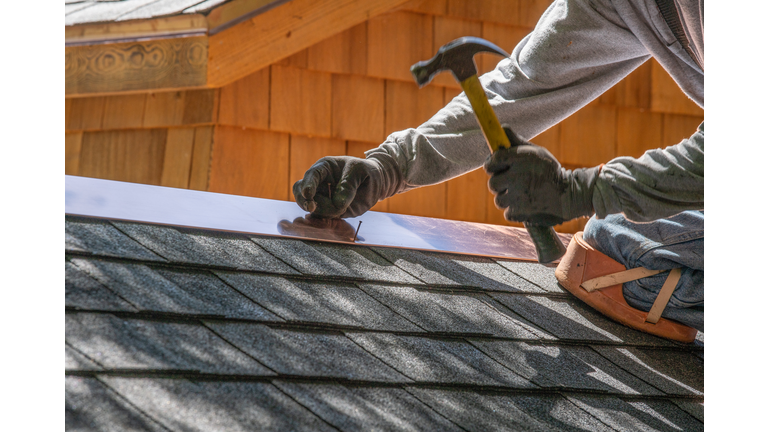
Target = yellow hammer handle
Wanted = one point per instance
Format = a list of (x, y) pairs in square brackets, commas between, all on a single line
[(489, 123)]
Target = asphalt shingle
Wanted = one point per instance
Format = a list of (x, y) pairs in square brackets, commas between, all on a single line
[(627, 416), (194, 293), (302, 335), (90, 406), (492, 412), (433, 360), (213, 297), (571, 319), (695, 409), (674, 372), (572, 367), (540, 275), (306, 353), (442, 312), (226, 250), (321, 302), (104, 11), (366, 408), (182, 405), (138, 344), (74, 360), (101, 238), (83, 292), (325, 259), (448, 269), (159, 8)]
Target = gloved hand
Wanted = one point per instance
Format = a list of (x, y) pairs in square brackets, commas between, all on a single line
[(355, 185), (531, 186)]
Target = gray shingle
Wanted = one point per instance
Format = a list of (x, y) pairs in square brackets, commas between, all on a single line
[(322, 302), (637, 416), (674, 372), (101, 238), (572, 319), (204, 6), (564, 366), (83, 292), (70, 6), (695, 409), (104, 11), (212, 296), (326, 259), (366, 408), (227, 250), (489, 412), (309, 354), (73, 360), (159, 8), (182, 405), (441, 312), (135, 344), (449, 269), (196, 293), (90, 406), (431, 360), (541, 275)]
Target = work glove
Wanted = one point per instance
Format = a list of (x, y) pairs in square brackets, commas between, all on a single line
[(531, 186), (345, 186)]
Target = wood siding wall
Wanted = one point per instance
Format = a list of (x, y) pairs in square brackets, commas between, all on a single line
[(344, 95)]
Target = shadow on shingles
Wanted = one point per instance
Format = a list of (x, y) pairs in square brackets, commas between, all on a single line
[(135, 344), (216, 406), (567, 369), (490, 412), (573, 319), (318, 302), (89, 405), (446, 269), (674, 372), (649, 415), (367, 408)]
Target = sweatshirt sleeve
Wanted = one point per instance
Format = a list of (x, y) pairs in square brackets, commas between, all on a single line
[(660, 183), (578, 50)]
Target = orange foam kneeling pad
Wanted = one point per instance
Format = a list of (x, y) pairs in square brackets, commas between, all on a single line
[(582, 262)]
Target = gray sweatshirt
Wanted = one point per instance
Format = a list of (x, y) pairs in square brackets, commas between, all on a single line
[(578, 50)]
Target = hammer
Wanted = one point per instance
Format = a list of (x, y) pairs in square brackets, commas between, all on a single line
[(458, 57)]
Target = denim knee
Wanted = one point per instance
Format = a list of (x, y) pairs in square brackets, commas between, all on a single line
[(660, 245)]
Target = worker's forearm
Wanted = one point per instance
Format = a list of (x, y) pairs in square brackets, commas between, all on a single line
[(551, 74), (659, 184)]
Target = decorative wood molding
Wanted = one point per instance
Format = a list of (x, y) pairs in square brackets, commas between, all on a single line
[(99, 60), (151, 65)]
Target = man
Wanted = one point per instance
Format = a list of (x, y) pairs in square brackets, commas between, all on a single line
[(648, 211)]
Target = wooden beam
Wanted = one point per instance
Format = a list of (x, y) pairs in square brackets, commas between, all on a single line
[(136, 66), (283, 31)]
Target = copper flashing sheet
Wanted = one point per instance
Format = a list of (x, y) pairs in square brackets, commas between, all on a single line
[(213, 211)]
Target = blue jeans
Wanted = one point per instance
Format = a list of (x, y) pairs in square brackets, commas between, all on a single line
[(663, 244)]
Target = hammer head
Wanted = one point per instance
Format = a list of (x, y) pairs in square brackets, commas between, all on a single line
[(457, 56)]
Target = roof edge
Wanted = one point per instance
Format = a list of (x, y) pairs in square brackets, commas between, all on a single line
[(183, 24)]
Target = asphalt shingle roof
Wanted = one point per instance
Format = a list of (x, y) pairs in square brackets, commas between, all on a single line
[(181, 329)]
